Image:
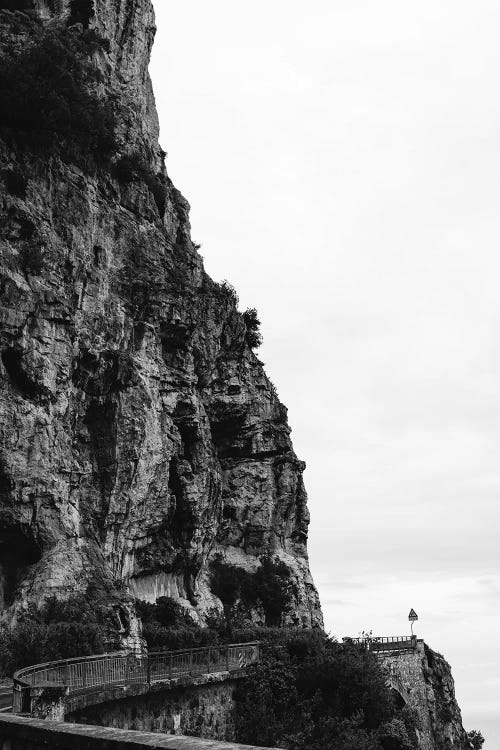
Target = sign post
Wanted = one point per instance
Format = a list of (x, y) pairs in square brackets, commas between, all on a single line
[(413, 617)]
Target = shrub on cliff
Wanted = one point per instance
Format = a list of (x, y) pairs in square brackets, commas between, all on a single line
[(167, 626), (57, 630), (240, 590), (166, 612), (49, 96), (228, 292), (475, 739), (393, 735), (253, 335), (160, 638), (326, 697)]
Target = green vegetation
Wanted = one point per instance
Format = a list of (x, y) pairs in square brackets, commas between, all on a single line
[(57, 630), (228, 292), (167, 626), (310, 692), (307, 693), (253, 336), (476, 739), (238, 589), (167, 612), (49, 96)]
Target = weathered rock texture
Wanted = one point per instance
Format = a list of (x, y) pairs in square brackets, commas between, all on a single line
[(423, 680), (139, 434)]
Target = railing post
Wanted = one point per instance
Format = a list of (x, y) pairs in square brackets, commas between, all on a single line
[(104, 669), (127, 668)]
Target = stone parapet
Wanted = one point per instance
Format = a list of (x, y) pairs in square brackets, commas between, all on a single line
[(20, 733)]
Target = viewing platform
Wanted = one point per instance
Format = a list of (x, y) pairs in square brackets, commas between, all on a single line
[(386, 643)]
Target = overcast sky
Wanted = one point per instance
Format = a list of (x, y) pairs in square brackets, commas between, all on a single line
[(342, 162)]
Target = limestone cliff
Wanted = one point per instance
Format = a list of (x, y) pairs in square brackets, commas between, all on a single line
[(444, 711), (140, 437)]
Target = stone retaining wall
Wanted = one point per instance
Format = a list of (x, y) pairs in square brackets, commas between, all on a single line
[(405, 672), (201, 710)]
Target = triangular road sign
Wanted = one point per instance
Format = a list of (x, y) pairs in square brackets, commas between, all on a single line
[(412, 616)]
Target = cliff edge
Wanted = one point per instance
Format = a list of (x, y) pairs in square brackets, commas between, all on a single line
[(143, 448), (421, 681)]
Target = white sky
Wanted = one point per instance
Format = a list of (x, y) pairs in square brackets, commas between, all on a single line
[(342, 162)]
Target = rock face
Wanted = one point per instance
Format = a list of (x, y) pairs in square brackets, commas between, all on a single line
[(422, 680), (140, 437), (445, 715)]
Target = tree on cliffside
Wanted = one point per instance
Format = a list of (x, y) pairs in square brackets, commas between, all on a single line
[(476, 739), (320, 695)]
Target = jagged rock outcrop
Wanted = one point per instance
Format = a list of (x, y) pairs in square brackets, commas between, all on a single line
[(444, 711), (140, 437)]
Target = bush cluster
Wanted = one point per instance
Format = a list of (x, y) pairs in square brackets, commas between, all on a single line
[(49, 96), (160, 638), (57, 630), (270, 585), (228, 291), (253, 336), (167, 626), (475, 739), (311, 692), (166, 612)]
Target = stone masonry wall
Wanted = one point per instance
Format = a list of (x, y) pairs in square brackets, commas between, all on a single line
[(423, 679), (202, 710), (404, 672)]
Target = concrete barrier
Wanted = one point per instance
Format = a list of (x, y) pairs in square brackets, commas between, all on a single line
[(21, 733)]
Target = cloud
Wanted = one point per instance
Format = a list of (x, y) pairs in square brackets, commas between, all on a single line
[(334, 602)]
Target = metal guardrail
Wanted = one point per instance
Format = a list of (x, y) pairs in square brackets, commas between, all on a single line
[(386, 643), (86, 673)]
